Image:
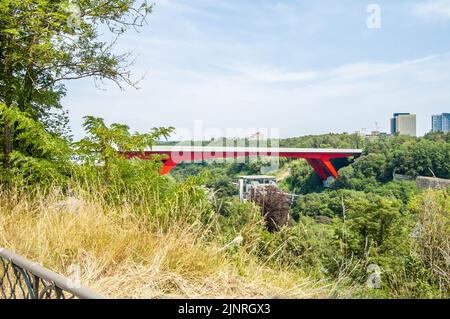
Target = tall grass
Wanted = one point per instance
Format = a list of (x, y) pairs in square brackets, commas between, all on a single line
[(147, 249)]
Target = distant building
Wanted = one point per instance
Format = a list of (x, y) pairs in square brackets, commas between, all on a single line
[(404, 124), (441, 123), (251, 182), (258, 136), (394, 122), (360, 133), (376, 134)]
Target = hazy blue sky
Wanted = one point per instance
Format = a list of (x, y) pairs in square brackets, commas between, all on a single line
[(304, 67)]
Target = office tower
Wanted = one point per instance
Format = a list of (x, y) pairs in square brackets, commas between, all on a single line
[(404, 124), (441, 123)]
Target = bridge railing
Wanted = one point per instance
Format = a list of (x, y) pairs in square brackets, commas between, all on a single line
[(23, 279)]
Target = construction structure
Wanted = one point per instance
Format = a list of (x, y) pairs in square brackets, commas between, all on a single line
[(247, 183)]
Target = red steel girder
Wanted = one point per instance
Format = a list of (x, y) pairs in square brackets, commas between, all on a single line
[(319, 161)]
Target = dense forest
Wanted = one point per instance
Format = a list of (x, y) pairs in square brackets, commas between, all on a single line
[(135, 233), (363, 218)]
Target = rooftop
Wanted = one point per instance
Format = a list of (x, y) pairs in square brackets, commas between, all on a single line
[(257, 177)]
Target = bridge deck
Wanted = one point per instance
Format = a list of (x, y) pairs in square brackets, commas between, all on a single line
[(205, 149), (318, 158)]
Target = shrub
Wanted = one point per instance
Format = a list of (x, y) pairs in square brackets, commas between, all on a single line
[(275, 206), (431, 238)]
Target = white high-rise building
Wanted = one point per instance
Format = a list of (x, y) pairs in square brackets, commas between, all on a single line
[(404, 124)]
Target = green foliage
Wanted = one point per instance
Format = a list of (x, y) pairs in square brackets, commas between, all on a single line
[(382, 230), (374, 226), (305, 246), (325, 141), (214, 178), (382, 158), (410, 156), (365, 218), (431, 243), (44, 43), (103, 145), (302, 179), (426, 158), (402, 190), (320, 204), (40, 157), (250, 167), (222, 185), (240, 219)]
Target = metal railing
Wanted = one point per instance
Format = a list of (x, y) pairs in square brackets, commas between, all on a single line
[(23, 279)]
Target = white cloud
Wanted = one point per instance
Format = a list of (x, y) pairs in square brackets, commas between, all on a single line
[(345, 72), (345, 98), (435, 10), (183, 7), (361, 70), (242, 64), (274, 75)]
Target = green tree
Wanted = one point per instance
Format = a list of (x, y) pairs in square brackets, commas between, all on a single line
[(426, 158), (44, 43), (50, 160), (373, 230), (302, 179), (103, 145)]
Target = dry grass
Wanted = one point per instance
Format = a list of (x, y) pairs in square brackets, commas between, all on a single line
[(121, 255), (432, 243)]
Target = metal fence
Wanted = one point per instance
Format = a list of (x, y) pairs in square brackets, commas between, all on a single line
[(23, 279)]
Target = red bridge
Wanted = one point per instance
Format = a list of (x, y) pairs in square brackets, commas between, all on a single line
[(319, 159)]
